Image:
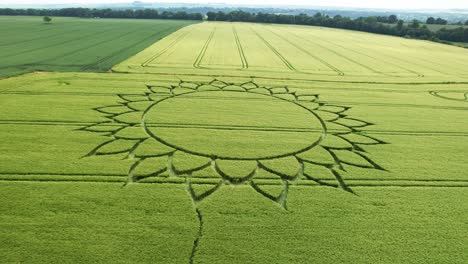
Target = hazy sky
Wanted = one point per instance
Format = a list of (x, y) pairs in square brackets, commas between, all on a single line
[(395, 4)]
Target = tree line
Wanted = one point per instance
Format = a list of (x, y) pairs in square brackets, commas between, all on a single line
[(390, 25), (102, 13), (437, 21)]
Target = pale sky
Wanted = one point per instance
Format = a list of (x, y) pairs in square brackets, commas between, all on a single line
[(389, 4)]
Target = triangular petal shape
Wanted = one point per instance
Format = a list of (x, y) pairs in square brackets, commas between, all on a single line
[(116, 146), (317, 155), (262, 174), (189, 85), (178, 91), (186, 163), (140, 106), (161, 89), (332, 141), (249, 85), (136, 132), (133, 97), (148, 167), (356, 159), (236, 171), (207, 172), (199, 192), (308, 98), (333, 127), (233, 88), (286, 168), (353, 122), (260, 91), (131, 118), (309, 105), (362, 139), (152, 148), (207, 87), (273, 189), (279, 90), (328, 116), (218, 83), (318, 172), (334, 108), (104, 127), (288, 96), (159, 97), (113, 109)]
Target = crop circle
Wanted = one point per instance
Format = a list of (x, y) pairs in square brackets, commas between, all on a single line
[(233, 125)]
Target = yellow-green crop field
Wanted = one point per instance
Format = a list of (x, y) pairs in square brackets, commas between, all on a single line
[(241, 143)]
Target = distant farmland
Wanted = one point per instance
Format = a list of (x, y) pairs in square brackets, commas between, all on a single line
[(74, 44), (242, 48)]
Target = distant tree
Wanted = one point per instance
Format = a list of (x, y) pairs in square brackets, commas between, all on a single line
[(400, 25), (415, 23), (392, 19), (440, 21), (371, 20), (466, 23), (47, 19), (430, 21)]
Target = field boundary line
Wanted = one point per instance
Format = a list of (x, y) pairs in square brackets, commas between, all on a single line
[(111, 38), (368, 183), (104, 59), (69, 53), (245, 64), (174, 42)]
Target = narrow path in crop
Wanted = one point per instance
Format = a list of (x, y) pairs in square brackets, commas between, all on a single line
[(196, 242), (245, 64), (199, 59), (309, 53), (275, 51)]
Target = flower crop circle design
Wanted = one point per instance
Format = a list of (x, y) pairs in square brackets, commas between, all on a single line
[(207, 134)]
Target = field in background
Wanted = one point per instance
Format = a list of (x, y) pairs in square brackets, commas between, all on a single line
[(241, 143), (437, 27), (75, 44), (267, 50)]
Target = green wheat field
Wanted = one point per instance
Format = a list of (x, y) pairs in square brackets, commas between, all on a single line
[(230, 143)]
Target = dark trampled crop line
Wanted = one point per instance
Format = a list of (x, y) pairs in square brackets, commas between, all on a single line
[(245, 64), (281, 57), (309, 53), (354, 183), (367, 55), (196, 242), (199, 59), (342, 56)]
